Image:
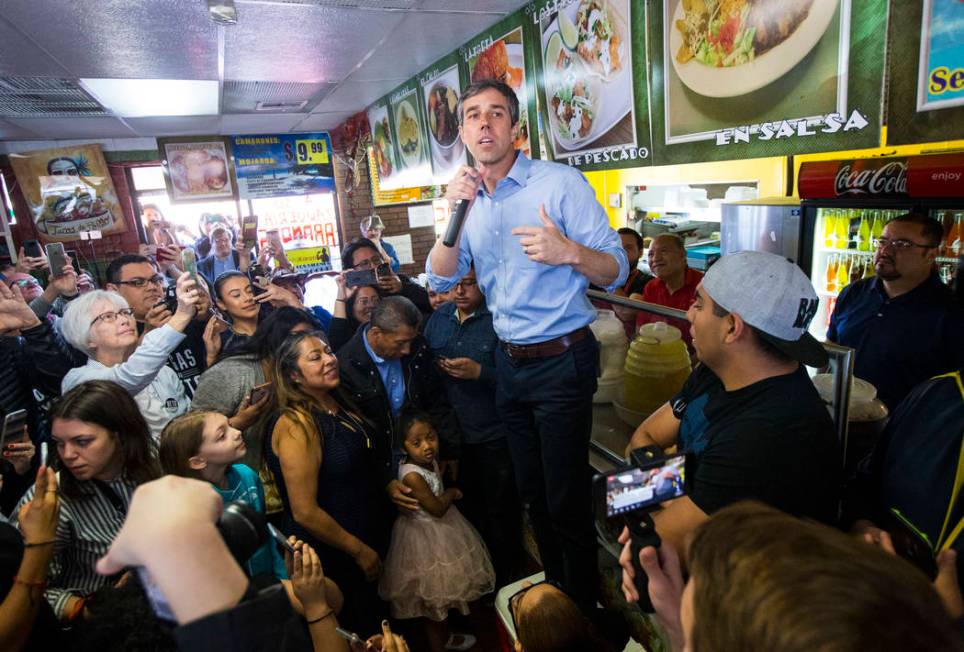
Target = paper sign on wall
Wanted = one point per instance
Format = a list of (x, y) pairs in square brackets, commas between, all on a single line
[(403, 247), (419, 216)]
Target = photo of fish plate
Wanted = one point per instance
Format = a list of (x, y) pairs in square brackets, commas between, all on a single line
[(729, 48), (409, 133), (588, 79)]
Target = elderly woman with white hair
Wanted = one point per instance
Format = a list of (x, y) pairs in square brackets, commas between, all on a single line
[(101, 324)]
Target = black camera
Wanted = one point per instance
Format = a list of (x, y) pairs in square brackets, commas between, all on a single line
[(170, 299), (627, 496)]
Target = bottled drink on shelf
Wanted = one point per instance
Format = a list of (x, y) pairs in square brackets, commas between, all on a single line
[(842, 229), (953, 241), (857, 268), (832, 273), (869, 268), (878, 226), (829, 224), (863, 232), (843, 272)]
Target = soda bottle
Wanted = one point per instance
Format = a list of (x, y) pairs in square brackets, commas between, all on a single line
[(878, 227), (843, 272), (842, 230), (863, 233), (832, 273), (954, 237), (857, 268), (829, 224), (869, 268)]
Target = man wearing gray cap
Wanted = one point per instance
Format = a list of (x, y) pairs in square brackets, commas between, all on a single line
[(749, 415)]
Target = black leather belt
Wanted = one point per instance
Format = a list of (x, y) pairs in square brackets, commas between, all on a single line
[(547, 349)]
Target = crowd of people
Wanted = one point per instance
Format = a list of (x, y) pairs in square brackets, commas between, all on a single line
[(399, 442)]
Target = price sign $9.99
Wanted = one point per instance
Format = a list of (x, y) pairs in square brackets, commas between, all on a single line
[(311, 152)]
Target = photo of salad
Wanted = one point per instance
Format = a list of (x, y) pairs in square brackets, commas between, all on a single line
[(382, 148), (723, 33)]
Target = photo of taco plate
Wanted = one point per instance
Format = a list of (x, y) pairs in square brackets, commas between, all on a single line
[(599, 42), (572, 106), (725, 33)]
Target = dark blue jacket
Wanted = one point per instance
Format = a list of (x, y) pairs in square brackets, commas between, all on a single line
[(472, 400)]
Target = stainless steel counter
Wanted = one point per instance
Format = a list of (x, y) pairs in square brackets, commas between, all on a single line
[(610, 435)]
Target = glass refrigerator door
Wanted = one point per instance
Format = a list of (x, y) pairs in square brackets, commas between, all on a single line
[(950, 249), (843, 252)]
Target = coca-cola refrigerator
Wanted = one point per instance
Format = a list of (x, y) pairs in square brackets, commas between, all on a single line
[(845, 205)]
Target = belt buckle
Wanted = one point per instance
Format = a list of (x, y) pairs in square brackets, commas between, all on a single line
[(512, 349)]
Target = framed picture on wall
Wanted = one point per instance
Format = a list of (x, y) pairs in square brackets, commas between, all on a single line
[(197, 169)]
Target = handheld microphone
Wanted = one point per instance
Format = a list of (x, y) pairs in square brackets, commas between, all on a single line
[(455, 224)]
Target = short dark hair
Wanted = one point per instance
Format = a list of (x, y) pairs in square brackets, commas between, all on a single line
[(408, 418), (633, 232), (480, 86), (755, 570), (391, 313), (349, 252), (931, 229), (114, 269), (765, 347)]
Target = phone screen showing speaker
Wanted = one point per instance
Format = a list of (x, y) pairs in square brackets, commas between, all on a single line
[(631, 489)]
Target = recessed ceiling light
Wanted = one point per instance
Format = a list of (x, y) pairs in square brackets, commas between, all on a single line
[(142, 98)]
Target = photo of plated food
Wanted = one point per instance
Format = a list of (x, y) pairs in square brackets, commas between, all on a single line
[(409, 134), (441, 98), (725, 48), (504, 60), (442, 120), (587, 77), (382, 151)]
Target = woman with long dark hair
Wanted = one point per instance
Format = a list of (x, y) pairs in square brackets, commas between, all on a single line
[(320, 454), (103, 450), (245, 305)]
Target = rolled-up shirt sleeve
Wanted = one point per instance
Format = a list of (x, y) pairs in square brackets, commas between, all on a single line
[(585, 222)]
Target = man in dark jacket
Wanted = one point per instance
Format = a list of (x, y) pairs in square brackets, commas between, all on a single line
[(224, 257), (386, 367), (362, 254)]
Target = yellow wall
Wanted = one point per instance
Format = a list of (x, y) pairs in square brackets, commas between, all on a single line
[(769, 173)]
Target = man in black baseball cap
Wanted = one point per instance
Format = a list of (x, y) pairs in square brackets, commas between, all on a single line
[(749, 415)]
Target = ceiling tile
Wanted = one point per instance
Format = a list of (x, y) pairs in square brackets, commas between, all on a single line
[(354, 95), (143, 39), (74, 127), (196, 125), (324, 121), (306, 43), (277, 123), (419, 40), (19, 56)]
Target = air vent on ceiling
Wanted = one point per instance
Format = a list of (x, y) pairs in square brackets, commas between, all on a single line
[(271, 97), (22, 97), (279, 107)]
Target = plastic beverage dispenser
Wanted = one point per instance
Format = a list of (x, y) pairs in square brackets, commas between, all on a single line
[(612, 353), (657, 365)]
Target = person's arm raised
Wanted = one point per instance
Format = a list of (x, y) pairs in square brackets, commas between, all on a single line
[(464, 186)]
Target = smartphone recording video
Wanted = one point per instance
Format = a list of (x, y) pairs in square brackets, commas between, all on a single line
[(357, 278), (628, 490)]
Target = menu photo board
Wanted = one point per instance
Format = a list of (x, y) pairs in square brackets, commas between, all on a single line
[(592, 76), (280, 165), (197, 168), (441, 86), (410, 134), (764, 78), (925, 91), (504, 53), (384, 158)]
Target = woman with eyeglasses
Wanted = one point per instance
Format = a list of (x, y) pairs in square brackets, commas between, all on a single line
[(353, 308), (101, 324)]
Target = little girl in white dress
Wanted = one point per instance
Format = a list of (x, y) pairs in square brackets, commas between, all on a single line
[(437, 561)]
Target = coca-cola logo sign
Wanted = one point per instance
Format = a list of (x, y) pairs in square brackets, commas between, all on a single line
[(871, 178)]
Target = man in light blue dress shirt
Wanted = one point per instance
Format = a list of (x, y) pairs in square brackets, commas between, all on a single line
[(537, 237)]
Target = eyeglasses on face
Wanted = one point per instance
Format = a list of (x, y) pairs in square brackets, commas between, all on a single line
[(26, 282), (368, 263), (466, 284), (157, 279), (111, 316), (900, 245)]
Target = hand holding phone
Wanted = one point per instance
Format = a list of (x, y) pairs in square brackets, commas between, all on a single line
[(57, 258), (189, 262), (280, 539), (259, 392), (249, 230), (14, 428), (357, 278)]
